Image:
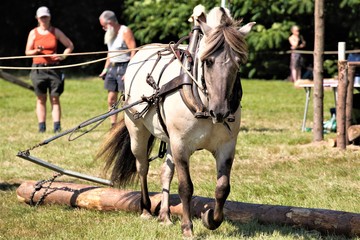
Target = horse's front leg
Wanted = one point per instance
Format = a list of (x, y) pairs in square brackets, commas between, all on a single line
[(224, 155), (186, 189), (167, 173)]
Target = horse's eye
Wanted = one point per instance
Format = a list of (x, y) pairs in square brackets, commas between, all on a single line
[(209, 62)]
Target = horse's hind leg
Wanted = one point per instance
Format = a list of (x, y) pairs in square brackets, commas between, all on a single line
[(167, 173), (139, 146), (212, 219)]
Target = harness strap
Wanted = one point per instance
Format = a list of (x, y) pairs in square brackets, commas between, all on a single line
[(178, 54), (172, 85), (161, 120)]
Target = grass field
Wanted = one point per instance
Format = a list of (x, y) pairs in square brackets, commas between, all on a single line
[(275, 163)]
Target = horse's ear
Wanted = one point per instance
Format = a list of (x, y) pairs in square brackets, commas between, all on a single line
[(247, 28), (204, 27)]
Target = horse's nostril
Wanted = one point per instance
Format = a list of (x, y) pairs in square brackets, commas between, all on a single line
[(227, 114), (218, 117)]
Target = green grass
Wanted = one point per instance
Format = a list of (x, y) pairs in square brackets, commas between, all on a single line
[(275, 163)]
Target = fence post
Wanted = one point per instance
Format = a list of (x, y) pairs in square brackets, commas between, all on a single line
[(341, 101)]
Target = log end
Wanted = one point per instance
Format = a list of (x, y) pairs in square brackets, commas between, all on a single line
[(332, 142), (353, 132)]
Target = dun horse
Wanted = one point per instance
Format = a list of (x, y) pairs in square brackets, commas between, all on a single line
[(219, 54)]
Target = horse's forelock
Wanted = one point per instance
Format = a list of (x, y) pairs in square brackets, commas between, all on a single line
[(225, 33), (217, 16)]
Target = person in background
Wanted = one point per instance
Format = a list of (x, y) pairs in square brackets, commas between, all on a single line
[(117, 37), (42, 40), (296, 42)]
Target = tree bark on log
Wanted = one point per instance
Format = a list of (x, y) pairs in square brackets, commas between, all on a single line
[(11, 78), (110, 199)]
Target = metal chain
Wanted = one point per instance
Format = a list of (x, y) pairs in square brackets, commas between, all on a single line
[(38, 186)]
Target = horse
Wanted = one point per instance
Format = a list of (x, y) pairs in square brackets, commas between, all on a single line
[(219, 54)]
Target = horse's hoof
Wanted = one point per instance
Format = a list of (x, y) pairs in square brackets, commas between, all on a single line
[(187, 231), (165, 221), (187, 234), (164, 218), (208, 220), (146, 216)]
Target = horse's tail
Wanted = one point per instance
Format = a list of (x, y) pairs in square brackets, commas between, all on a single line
[(116, 152)]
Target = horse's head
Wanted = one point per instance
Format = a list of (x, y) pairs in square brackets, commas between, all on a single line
[(221, 51)]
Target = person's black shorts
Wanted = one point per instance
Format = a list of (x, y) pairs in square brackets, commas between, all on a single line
[(47, 80), (113, 79)]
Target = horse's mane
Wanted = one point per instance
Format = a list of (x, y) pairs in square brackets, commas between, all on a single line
[(224, 33)]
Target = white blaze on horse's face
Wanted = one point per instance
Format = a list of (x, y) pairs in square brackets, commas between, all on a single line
[(220, 68)]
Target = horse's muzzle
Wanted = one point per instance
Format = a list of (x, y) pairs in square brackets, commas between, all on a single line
[(218, 117)]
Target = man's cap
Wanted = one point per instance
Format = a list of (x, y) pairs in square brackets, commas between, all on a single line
[(42, 12)]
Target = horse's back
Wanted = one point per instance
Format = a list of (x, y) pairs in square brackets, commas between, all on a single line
[(144, 63)]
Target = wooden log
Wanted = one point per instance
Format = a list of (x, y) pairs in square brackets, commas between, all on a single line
[(11, 78), (332, 142), (110, 199), (353, 132)]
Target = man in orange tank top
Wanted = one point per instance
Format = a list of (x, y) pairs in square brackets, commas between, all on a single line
[(42, 40)]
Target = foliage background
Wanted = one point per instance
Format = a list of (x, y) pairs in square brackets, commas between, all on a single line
[(165, 21)]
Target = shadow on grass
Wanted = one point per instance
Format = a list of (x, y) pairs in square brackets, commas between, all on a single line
[(6, 186), (263, 231), (246, 129), (255, 229)]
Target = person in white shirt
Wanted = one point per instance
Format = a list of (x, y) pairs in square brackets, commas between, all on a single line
[(117, 37)]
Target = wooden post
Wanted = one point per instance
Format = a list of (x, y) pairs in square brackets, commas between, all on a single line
[(341, 98), (318, 99), (110, 199), (349, 100)]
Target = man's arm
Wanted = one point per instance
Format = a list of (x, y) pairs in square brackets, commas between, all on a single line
[(130, 41)]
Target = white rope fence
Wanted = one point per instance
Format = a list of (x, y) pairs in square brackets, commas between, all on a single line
[(312, 52), (148, 46)]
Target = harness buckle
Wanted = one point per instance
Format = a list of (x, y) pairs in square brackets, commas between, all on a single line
[(150, 80)]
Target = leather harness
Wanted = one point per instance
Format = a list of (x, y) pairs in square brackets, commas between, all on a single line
[(188, 90)]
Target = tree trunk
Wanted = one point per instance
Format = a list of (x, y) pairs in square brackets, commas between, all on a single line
[(91, 197), (349, 100), (341, 105), (318, 71)]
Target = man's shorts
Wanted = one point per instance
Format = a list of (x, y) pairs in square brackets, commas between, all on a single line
[(114, 78), (47, 80)]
